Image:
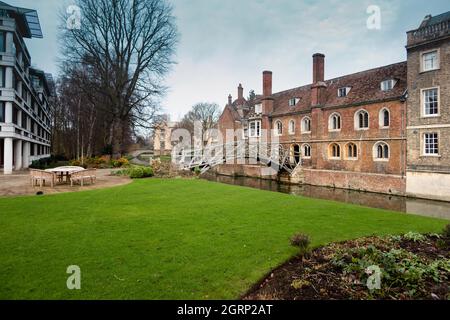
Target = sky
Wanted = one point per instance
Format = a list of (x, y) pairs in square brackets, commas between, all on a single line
[(226, 42)]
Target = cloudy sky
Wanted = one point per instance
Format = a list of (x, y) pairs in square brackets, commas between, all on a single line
[(224, 43)]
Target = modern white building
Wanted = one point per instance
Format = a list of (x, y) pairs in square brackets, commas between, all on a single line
[(24, 91)]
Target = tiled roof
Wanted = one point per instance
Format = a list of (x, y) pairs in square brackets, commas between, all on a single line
[(438, 19), (365, 87)]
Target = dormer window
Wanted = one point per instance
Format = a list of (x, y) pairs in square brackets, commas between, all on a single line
[(387, 85), (293, 102), (258, 108), (343, 92)]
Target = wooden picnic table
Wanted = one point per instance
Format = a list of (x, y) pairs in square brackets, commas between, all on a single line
[(65, 171)]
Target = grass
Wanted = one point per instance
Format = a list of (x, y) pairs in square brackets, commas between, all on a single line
[(169, 239)]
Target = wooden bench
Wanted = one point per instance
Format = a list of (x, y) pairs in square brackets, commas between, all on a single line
[(83, 175), (39, 177)]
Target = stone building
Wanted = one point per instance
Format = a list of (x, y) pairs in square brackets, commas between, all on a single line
[(351, 131), (162, 144), (24, 91), (428, 122)]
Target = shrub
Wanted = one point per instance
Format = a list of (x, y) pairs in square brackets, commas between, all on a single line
[(136, 172), (414, 236), (121, 162), (197, 171), (447, 231), (301, 241)]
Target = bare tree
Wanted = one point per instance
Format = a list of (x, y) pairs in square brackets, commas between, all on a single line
[(129, 45), (206, 113)]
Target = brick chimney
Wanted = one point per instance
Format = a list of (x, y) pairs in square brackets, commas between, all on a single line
[(267, 83), (267, 100), (240, 92), (230, 99), (318, 68), (318, 87)]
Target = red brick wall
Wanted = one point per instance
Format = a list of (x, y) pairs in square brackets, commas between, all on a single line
[(320, 138)]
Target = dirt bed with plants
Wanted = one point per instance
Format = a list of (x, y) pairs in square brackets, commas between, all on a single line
[(412, 266)]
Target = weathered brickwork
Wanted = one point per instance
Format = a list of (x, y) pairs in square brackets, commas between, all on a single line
[(428, 51), (389, 145)]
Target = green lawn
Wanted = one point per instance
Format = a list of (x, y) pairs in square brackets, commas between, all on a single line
[(168, 239)]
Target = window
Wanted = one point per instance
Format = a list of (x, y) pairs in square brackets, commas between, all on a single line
[(430, 99), (388, 84), (2, 41), (431, 144), (293, 102), (291, 127), (279, 127), (384, 118), (334, 151), (334, 122), (343, 92), (2, 76), (2, 112), (362, 120), (352, 151), (306, 125), (255, 129), (430, 61), (258, 108), (306, 151), (381, 151)]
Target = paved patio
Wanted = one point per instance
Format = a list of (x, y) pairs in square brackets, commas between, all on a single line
[(19, 184)]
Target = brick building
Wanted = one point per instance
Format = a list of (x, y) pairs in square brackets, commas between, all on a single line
[(351, 131), (428, 125)]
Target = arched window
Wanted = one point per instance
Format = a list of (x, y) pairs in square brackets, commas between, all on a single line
[(385, 120), (361, 120), (279, 127), (306, 125), (334, 151), (381, 151), (352, 151), (291, 127), (306, 151), (334, 122)]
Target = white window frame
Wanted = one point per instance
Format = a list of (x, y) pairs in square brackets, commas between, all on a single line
[(381, 118), (277, 128), (422, 102), (422, 60), (303, 129), (330, 122), (347, 91), (303, 151), (424, 145), (390, 83), (375, 151), (356, 119), (257, 130), (292, 121)]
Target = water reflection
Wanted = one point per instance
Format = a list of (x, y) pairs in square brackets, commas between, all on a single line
[(429, 208)]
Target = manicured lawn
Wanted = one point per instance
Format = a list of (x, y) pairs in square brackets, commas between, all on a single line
[(169, 239)]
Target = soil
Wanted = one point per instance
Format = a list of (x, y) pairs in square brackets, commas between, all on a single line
[(314, 277)]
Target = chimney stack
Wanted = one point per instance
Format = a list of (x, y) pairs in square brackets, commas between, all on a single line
[(230, 99), (240, 92), (267, 83), (318, 68)]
